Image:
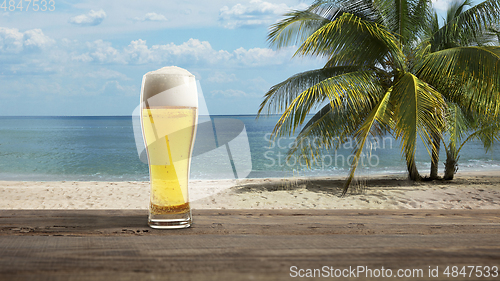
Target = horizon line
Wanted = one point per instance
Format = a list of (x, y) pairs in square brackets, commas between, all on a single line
[(253, 114)]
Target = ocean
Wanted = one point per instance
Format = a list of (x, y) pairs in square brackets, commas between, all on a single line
[(93, 148)]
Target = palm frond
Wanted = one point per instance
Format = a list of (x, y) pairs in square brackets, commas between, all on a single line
[(472, 68), (456, 8), (495, 30), (362, 86), (324, 131), (350, 32), (366, 54), (407, 18), (281, 95), (331, 10), (379, 114), (424, 47), (487, 134), (295, 28), (328, 129), (461, 122), (457, 124), (490, 37), (298, 25), (463, 29)]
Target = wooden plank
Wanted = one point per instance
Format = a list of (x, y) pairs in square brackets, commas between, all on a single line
[(274, 222), (241, 244)]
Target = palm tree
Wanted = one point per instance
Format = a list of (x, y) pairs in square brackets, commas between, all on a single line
[(448, 36), (380, 76), (461, 124)]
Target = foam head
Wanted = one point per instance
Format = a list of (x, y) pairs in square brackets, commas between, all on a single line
[(169, 86)]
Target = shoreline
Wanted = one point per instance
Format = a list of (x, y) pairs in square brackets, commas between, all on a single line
[(67, 178), (7, 177), (469, 190)]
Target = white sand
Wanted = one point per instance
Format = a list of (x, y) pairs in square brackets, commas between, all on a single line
[(467, 191)]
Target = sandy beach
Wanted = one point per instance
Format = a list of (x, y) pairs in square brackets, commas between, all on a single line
[(480, 190)]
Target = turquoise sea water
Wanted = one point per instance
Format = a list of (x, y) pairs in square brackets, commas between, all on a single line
[(104, 149)]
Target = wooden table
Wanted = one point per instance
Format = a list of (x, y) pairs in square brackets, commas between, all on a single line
[(244, 244)]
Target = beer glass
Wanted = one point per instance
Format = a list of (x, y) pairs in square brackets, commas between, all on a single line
[(169, 112)]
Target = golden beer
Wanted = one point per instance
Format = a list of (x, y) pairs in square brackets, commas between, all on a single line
[(169, 161), (169, 111)]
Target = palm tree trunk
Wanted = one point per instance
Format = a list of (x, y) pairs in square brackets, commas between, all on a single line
[(436, 140), (451, 165), (413, 173)]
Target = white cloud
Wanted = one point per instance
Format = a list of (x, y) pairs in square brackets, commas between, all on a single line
[(151, 17), (221, 77), (192, 52), (256, 12), (105, 73), (11, 40), (102, 51), (114, 87), (262, 56), (229, 93), (90, 19), (36, 38), (138, 52), (14, 41), (199, 52), (82, 58)]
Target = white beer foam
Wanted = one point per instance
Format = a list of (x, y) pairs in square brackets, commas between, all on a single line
[(171, 70), (169, 86)]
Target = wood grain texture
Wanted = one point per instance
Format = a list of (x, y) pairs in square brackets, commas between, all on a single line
[(241, 244)]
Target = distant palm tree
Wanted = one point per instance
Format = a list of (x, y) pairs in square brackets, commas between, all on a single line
[(380, 75), (460, 116), (463, 124)]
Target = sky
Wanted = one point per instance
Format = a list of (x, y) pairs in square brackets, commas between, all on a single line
[(74, 58)]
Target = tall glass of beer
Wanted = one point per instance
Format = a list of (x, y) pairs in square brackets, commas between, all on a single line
[(169, 112)]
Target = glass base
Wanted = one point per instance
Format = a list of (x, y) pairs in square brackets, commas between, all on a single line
[(170, 221)]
